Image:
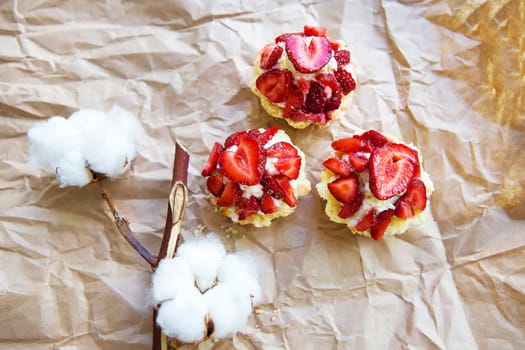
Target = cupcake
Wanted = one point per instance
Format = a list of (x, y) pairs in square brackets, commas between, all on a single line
[(375, 185), (256, 176), (305, 77)]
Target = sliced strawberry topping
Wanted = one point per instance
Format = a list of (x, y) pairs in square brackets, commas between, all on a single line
[(211, 164), (303, 85), (315, 99), (308, 57), (282, 38), (344, 189), (215, 183), (267, 135), (367, 221), (414, 197), (281, 150), (314, 31), (234, 139), (293, 109), (247, 206), (346, 80), (275, 84), (382, 221), (374, 138), (391, 169), (288, 166), (245, 164), (351, 144), (342, 57), (334, 45), (270, 55), (403, 208), (359, 161), (230, 195), (267, 204), (287, 190), (338, 166), (349, 209)]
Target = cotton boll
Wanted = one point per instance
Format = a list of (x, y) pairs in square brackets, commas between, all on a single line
[(126, 122), (108, 151), (71, 170), (88, 121), (183, 318), (228, 309), (171, 279), (51, 139), (204, 256), (239, 269)]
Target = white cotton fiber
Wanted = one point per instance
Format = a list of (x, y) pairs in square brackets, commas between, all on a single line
[(88, 121), (204, 256), (228, 308), (172, 278), (183, 318), (51, 139), (126, 122), (71, 170), (240, 270)]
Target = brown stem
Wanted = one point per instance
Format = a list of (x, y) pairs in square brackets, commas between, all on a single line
[(178, 200), (124, 229)]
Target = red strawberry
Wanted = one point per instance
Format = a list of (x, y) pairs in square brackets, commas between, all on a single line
[(308, 58), (247, 207), (342, 57), (344, 189), (267, 135), (346, 80), (281, 150), (211, 164), (314, 31), (275, 84), (403, 208), (359, 161), (417, 193), (391, 169), (374, 138), (282, 38), (315, 99), (287, 190), (333, 93), (267, 204), (270, 55), (351, 145), (215, 183), (245, 164), (382, 221), (234, 139), (293, 109), (288, 166), (349, 209), (303, 85), (334, 45), (230, 195), (338, 166), (367, 221)]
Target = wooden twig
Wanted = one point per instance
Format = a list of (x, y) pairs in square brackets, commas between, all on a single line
[(178, 200), (124, 229)]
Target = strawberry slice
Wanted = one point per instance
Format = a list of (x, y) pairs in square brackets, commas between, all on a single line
[(351, 145), (234, 139), (314, 31), (281, 150), (270, 55), (280, 188), (344, 189), (368, 220), (342, 57), (282, 38), (245, 163), (414, 197), (374, 138), (267, 204), (338, 166), (308, 57), (275, 84), (247, 207), (391, 169), (331, 89), (315, 99), (215, 183), (359, 161), (382, 221), (349, 209), (303, 85), (267, 135), (230, 195), (211, 164), (345, 79), (288, 166)]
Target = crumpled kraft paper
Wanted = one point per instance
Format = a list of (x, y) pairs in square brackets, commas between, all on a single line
[(445, 76)]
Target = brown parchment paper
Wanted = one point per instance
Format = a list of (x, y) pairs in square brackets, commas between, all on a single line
[(447, 76)]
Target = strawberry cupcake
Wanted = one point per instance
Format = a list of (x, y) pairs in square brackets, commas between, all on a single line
[(256, 176), (375, 185), (305, 78)]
